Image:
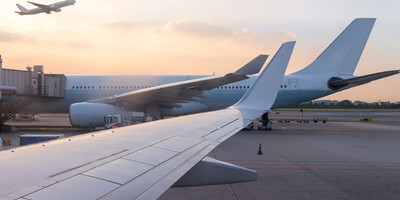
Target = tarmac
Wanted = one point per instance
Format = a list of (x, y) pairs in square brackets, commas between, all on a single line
[(340, 159)]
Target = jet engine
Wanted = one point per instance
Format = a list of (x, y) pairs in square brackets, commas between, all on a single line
[(333, 85), (54, 8), (91, 114)]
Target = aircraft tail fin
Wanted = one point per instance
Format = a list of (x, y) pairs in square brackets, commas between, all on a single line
[(343, 54), (21, 8), (261, 95)]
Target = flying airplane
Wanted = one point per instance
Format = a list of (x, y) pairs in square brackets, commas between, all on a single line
[(89, 98), (55, 7), (142, 161)]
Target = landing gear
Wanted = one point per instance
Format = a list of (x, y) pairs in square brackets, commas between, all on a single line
[(266, 124), (249, 127)]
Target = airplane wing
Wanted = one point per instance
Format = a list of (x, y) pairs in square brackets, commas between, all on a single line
[(170, 95), (342, 84), (45, 8), (134, 162)]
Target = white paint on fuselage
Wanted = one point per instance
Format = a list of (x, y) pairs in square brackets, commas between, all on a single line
[(82, 88)]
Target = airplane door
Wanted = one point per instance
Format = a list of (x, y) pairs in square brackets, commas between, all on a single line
[(293, 86)]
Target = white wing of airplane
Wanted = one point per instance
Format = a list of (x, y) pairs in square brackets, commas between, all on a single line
[(136, 162), (45, 8), (170, 95)]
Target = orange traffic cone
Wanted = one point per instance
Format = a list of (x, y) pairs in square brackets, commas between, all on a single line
[(259, 150)]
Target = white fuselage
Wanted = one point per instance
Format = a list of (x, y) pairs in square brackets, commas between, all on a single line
[(294, 89), (55, 7)]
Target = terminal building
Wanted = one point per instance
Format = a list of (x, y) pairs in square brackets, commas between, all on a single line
[(21, 88)]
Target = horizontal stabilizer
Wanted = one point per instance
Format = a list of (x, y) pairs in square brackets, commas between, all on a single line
[(210, 171), (337, 83), (254, 66)]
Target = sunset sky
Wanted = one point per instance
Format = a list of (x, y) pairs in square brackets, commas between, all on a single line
[(197, 37)]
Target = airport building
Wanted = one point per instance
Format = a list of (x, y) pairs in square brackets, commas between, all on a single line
[(21, 88)]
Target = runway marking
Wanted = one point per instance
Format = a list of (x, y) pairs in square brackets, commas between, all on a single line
[(325, 169), (335, 162)]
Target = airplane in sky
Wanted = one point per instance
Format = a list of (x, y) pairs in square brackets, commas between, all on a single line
[(55, 7), (142, 161), (88, 98)]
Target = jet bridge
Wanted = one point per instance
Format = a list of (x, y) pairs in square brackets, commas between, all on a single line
[(21, 88), (34, 82)]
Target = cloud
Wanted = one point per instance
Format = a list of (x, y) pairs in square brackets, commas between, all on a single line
[(250, 37), (121, 26), (194, 28), (9, 37), (223, 35)]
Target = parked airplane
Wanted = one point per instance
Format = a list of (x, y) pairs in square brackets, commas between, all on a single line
[(143, 161), (55, 7), (331, 72)]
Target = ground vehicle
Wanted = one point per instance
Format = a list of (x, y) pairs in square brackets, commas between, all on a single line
[(125, 119), (26, 117)]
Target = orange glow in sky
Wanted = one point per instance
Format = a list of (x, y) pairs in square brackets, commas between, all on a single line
[(196, 37)]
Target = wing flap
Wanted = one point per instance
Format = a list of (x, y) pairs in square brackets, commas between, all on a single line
[(116, 172), (72, 189), (152, 156), (153, 183)]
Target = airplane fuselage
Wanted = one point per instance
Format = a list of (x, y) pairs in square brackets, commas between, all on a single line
[(294, 89), (55, 7)]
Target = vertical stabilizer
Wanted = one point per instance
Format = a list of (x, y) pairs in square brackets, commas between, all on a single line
[(21, 8), (343, 54)]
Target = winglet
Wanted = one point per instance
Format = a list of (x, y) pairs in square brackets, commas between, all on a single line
[(254, 66), (264, 90)]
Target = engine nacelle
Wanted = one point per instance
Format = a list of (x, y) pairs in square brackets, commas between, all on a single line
[(58, 10), (91, 114)]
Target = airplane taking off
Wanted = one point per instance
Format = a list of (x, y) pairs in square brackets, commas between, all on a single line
[(142, 161), (89, 98), (55, 7)]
